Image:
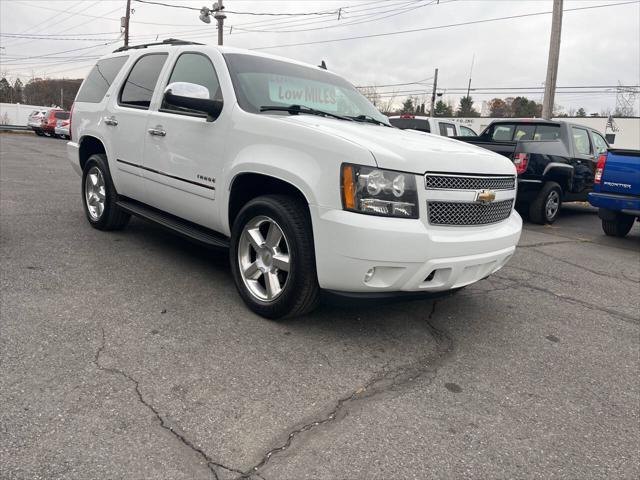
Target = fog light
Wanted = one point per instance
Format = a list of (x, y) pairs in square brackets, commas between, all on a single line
[(369, 275)]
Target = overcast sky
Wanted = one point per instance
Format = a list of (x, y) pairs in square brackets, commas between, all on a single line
[(600, 46)]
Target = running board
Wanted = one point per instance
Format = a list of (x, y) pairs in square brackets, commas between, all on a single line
[(181, 227)]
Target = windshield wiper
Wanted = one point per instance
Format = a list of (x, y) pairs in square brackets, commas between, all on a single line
[(296, 109), (369, 119)]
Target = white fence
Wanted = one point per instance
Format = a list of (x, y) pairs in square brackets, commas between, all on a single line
[(16, 113), (626, 136)]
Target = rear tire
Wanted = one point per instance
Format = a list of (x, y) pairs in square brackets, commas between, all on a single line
[(275, 271), (546, 206), (99, 196), (618, 227), (40, 133)]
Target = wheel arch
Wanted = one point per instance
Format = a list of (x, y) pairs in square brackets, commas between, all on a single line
[(245, 186), (561, 173), (89, 145)]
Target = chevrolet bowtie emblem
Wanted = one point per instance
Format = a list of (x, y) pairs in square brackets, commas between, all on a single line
[(485, 196)]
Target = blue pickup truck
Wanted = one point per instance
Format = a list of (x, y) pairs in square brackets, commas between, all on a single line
[(616, 190)]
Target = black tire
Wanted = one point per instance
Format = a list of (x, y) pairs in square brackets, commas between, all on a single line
[(301, 292), (618, 227), (540, 211), (40, 133), (112, 217)]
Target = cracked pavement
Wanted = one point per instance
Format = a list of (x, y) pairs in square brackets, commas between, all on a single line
[(130, 355)]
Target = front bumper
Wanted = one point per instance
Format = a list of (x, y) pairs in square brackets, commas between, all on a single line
[(408, 255)]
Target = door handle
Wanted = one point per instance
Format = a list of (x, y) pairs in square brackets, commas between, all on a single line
[(110, 121), (157, 131)]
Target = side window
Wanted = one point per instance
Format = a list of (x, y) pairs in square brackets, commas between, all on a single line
[(502, 133), (547, 132), (194, 68), (467, 132), (141, 82), (581, 141), (95, 86), (447, 129), (600, 143), (524, 132)]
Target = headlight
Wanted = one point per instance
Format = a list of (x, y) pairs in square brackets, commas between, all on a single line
[(379, 192)]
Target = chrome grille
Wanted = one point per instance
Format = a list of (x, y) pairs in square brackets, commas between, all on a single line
[(464, 213), (451, 182)]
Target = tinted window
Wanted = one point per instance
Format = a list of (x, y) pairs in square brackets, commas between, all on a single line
[(410, 124), (141, 82), (447, 129), (467, 132), (581, 141), (524, 132), (502, 133), (198, 69), (100, 79), (61, 115), (600, 143), (547, 132)]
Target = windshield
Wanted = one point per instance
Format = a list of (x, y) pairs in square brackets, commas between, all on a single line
[(260, 82)]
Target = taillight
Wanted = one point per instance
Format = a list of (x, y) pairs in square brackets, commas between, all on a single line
[(520, 160), (602, 160), (70, 115)]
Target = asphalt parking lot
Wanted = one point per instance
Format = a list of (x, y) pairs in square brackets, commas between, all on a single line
[(130, 355)]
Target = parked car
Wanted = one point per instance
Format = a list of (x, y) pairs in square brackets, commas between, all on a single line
[(616, 190), (555, 161), (437, 126), (62, 129), (49, 127), (292, 169), (36, 120)]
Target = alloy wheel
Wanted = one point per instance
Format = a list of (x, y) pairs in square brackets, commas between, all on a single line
[(95, 193)]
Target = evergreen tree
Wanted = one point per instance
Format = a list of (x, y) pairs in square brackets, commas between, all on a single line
[(581, 112), (466, 108), (18, 91), (443, 110), (6, 91)]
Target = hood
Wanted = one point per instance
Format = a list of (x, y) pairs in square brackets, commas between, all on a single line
[(410, 150)]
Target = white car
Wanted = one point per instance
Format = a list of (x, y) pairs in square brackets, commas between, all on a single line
[(437, 126), (293, 169)]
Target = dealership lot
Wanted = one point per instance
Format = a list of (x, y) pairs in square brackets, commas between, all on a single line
[(130, 355)]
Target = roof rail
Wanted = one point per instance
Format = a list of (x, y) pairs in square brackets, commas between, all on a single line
[(168, 41)]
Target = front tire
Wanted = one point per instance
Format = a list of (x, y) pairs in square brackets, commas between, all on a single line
[(546, 206), (99, 196), (618, 227), (273, 258)]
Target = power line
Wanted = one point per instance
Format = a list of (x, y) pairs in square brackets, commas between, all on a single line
[(438, 27), (327, 12)]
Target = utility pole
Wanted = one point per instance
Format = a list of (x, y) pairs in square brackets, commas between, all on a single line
[(470, 74), (433, 94), (552, 62), (126, 24), (220, 16)]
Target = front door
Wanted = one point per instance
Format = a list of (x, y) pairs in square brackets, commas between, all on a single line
[(183, 151), (583, 161)]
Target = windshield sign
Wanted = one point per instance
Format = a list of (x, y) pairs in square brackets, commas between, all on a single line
[(310, 94)]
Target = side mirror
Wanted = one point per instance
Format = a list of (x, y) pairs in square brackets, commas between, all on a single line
[(194, 97)]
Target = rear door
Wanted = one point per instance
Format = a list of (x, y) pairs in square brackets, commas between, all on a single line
[(126, 119), (184, 152), (447, 129), (583, 160)]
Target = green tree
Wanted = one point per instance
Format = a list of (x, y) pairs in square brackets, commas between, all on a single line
[(466, 108), (6, 91), (522, 107), (407, 106), (18, 91), (442, 110), (581, 112)]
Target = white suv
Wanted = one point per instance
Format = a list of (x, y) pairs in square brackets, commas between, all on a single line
[(291, 168)]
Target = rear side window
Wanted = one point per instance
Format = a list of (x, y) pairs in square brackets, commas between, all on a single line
[(524, 132), (600, 143), (141, 82), (502, 133), (100, 79), (547, 132), (447, 129), (61, 115), (581, 141)]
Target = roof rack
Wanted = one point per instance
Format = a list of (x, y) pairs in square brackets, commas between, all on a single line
[(168, 41)]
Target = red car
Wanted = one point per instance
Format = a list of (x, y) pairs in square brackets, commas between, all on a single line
[(44, 122)]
